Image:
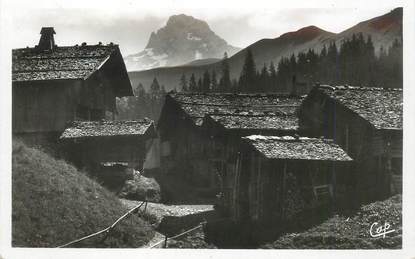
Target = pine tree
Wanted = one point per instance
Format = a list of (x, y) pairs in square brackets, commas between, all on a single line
[(155, 88), (370, 61), (248, 77), (214, 81), (333, 64), (206, 82), (234, 86), (272, 78), (395, 64), (199, 85), (264, 79), (225, 80), (183, 83), (321, 74), (192, 83), (140, 91)]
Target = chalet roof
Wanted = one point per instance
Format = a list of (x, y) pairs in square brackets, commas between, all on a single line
[(74, 62), (236, 99), (197, 105), (301, 148), (381, 107), (85, 129), (257, 121)]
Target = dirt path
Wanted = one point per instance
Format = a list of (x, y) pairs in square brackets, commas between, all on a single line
[(162, 210)]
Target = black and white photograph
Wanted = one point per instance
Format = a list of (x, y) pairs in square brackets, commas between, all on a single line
[(207, 129)]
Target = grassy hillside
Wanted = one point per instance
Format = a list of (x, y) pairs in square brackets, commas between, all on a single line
[(342, 232), (53, 203)]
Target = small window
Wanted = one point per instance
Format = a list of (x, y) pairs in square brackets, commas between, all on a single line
[(322, 192)]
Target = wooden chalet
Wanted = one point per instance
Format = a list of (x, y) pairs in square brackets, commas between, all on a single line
[(53, 85), (91, 143), (367, 124), (187, 143), (278, 177), (224, 132)]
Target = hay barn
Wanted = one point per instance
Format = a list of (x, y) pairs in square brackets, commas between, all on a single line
[(93, 143), (367, 124), (53, 85)]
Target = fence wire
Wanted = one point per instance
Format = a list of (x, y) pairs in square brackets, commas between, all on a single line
[(106, 230)]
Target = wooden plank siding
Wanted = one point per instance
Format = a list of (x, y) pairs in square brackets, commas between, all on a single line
[(187, 146), (261, 189), (370, 148), (43, 106), (93, 151)]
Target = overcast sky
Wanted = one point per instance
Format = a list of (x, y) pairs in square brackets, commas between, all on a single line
[(130, 24)]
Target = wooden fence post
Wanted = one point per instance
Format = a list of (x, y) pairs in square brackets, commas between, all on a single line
[(165, 241)]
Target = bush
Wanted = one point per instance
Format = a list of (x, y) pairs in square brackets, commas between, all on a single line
[(53, 203), (141, 188)]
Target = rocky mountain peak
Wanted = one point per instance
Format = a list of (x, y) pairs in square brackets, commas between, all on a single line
[(183, 21), (183, 39)]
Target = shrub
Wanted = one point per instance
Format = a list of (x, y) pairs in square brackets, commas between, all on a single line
[(141, 188)]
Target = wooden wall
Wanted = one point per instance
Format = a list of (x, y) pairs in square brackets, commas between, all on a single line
[(43, 106), (92, 151), (46, 106), (274, 191), (369, 147), (184, 147)]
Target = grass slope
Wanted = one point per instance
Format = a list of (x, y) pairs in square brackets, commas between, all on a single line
[(342, 232), (53, 203)]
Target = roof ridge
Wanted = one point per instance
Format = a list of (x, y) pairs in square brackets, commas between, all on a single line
[(241, 105), (286, 138), (232, 94), (348, 87), (114, 121), (297, 148), (252, 115), (108, 45), (62, 57), (46, 70)]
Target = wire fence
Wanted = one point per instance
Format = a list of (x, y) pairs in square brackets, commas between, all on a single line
[(163, 243), (108, 229)]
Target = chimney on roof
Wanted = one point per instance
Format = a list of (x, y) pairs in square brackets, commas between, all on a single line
[(47, 41)]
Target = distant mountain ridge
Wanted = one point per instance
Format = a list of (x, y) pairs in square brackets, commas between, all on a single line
[(182, 40), (383, 30)]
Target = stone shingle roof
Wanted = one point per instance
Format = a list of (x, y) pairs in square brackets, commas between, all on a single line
[(301, 148), (74, 62), (257, 122), (381, 107), (197, 105), (236, 99), (86, 129)]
